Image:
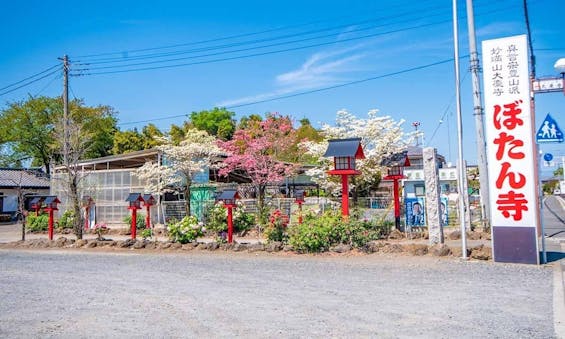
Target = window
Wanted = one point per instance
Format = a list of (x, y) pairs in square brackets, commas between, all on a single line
[(344, 163), (419, 190)]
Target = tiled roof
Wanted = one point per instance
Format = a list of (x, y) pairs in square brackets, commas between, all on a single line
[(26, 178)]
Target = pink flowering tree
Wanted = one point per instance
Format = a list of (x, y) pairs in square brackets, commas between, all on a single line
[(257, 150)]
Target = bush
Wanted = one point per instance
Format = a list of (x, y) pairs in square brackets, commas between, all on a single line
[(37, 223), (186, 230), (319, 233), (276, 228), (67, 219), (218, 219), (139, 221)]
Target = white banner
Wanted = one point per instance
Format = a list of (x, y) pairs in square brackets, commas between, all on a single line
[(509, 133)]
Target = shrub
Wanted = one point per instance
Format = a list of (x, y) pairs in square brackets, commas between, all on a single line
[(186, 230), (276, 228), (37, 223), (218, 219), (147, 233), (139, 221), (100, 229), (67, 219), (319, 233)]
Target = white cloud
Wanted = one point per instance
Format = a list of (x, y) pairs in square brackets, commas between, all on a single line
[(319, 70)]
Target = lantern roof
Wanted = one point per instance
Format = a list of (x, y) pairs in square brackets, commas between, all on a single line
[(396, 159), (345, 148), (148, 199), (228, 195), (51, 199), (36, 200), (134, 197)]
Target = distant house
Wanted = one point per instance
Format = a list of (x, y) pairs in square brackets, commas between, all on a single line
[(31, 182)]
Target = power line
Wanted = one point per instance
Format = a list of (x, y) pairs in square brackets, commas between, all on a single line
[(242, 56), (237, 36), (282, 37), (56, 77), (29, 83), (30, 77), (310, 91)]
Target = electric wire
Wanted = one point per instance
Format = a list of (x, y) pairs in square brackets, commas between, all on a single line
[(416, 68), (56, 77), (30, 77), (83, 72), (237, 36), (242, 43), (29, 83)]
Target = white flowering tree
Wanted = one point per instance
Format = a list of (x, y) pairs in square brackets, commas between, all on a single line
[(380, 136), (194, 154)]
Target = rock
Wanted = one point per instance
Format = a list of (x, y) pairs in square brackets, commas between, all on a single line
[(418, 249), (287, 248), (341, 248), (455, 235), (274, 246), (440, 250), (126, 243), (458, 253), (212, 246), (237, 247), (473, 236), (91, 244), (486, 235), (176, 246), (392, 248), (80, 243), (164, 245), (373, 246), (256, 247), (151, 245), (481, 253), (226, 246), (61, 242), (139, 244), (190, 246), (395, 235)]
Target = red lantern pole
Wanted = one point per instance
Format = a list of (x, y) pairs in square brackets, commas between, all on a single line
[(299, 212), (148, 217), (230, 223), (344, 197), (50, 232), (396, 204), (133, 222)]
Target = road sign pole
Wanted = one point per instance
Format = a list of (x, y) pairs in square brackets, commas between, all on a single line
[(543, 252)]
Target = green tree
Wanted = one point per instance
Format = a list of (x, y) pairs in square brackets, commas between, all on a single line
[(27, 129), (246, 121), (558, 172), (218, 122), (151, 136), (128, 141)]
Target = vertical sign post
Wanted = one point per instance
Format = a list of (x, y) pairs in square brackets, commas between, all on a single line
[(511, 152)]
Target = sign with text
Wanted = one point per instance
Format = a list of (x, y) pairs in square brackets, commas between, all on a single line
[(510, 150)]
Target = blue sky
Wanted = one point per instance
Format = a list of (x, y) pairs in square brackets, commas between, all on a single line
[(261, 50)]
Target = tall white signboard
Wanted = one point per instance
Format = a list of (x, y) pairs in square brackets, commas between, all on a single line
[(510, 150)]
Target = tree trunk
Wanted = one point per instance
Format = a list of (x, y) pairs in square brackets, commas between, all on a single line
[(187, 199), (78, 221)]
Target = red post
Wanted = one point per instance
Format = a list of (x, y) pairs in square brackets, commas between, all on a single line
[(230, 224), (133, 223), (50, 223), (299, 212), (344, 196), (396, 204), (148, 217)]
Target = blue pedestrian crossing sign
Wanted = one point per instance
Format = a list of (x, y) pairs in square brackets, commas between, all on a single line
[(549, 132)]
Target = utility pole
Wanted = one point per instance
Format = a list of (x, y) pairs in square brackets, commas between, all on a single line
[(479, 118), (65, 60), (461, 164)]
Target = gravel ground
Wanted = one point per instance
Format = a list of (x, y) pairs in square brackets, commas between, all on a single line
[(74, 294)]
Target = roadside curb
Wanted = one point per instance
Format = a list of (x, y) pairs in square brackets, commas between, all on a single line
[(559, 299)]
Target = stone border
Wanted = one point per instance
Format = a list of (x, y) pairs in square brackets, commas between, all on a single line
[(479, 252)]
